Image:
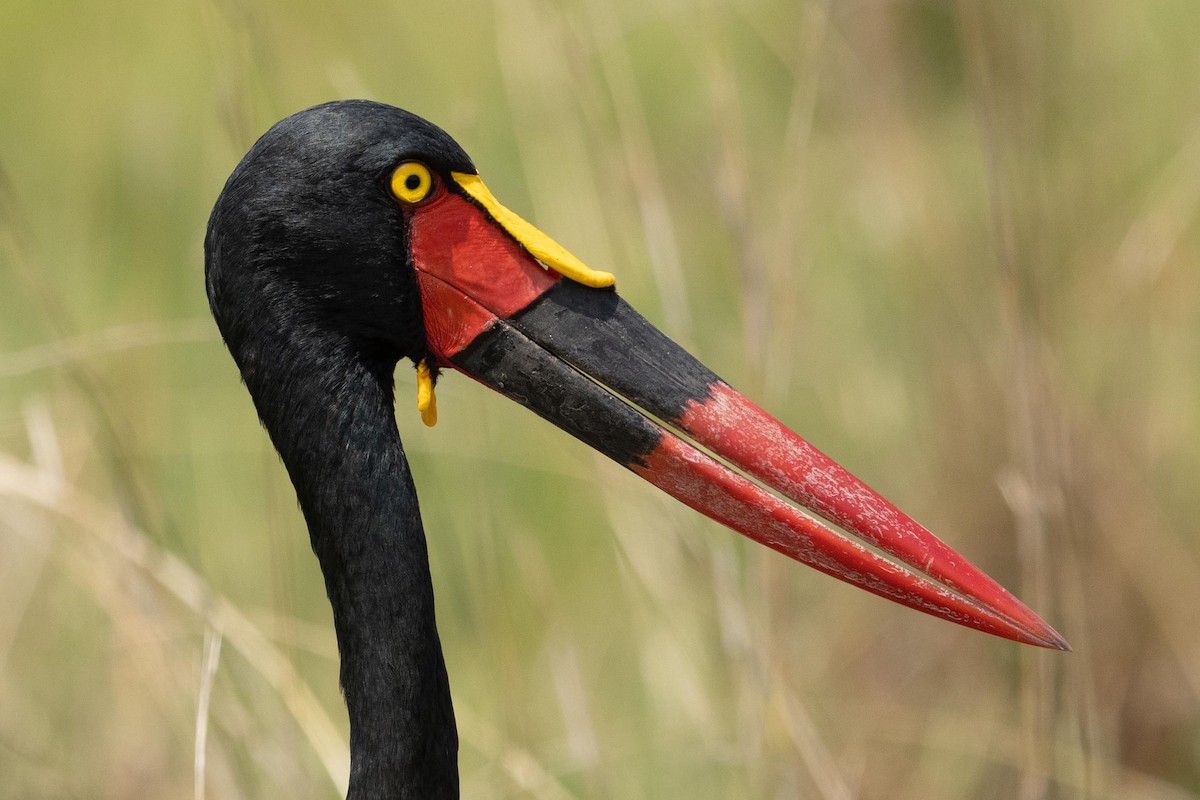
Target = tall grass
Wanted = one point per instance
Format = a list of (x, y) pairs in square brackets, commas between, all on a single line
[(954, 244)]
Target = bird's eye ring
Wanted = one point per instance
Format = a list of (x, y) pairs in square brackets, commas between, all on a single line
[(412, 182)]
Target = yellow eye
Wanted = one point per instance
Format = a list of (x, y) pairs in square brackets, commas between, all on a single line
[(412, 182)]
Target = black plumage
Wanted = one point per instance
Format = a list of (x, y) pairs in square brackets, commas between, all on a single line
[(309, 281), (354, 235)]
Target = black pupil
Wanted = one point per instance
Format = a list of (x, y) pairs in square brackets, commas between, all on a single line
[(412, 182)]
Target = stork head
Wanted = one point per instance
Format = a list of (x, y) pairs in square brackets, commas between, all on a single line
[(366, 229)]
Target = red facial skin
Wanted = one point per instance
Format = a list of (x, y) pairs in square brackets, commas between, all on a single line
[(469, 270)]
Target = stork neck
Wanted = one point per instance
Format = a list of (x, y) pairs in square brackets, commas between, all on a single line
[(330, 415)]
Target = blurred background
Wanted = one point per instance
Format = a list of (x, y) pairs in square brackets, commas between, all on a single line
[(954, 244)]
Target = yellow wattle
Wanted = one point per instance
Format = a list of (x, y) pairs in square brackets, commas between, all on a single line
[(426, 399)]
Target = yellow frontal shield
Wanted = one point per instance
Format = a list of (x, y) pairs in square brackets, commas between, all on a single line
[(539, 245)]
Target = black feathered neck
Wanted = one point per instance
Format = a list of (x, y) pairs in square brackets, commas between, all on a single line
[(310, 281)]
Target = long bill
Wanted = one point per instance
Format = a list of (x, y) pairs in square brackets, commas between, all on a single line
[(582, 358)]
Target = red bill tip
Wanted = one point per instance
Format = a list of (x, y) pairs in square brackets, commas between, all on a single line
[(736, 429)]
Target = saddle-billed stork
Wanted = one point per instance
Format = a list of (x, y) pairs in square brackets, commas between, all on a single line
[(354, 235)]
